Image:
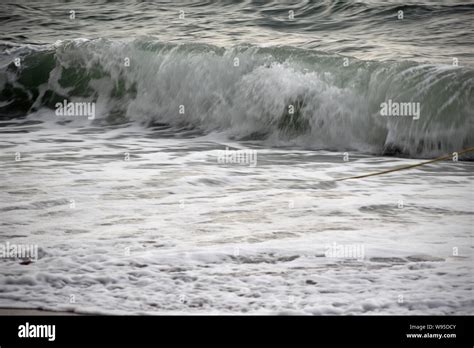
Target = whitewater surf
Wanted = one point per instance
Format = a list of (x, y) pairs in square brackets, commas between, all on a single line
[(304, 97)]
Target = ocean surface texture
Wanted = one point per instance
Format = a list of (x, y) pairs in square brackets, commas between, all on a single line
[(181, 158)]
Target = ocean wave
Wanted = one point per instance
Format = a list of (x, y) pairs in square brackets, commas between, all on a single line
[(278, 94)]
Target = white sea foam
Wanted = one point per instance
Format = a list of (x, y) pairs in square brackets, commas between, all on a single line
[(172, 231)]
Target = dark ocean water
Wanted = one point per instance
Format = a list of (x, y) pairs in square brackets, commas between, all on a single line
[(431, 31)]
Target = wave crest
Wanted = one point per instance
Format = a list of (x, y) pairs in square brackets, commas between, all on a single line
[(284, 94)]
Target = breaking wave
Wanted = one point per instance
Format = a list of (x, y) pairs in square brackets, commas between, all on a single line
[(278, 94)]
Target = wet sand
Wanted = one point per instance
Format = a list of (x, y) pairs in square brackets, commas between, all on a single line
[(29, 312)]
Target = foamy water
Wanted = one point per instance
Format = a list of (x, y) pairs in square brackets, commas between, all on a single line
[(172, 231)]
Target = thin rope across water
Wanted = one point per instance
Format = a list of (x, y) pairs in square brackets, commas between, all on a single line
[(442, 158)]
